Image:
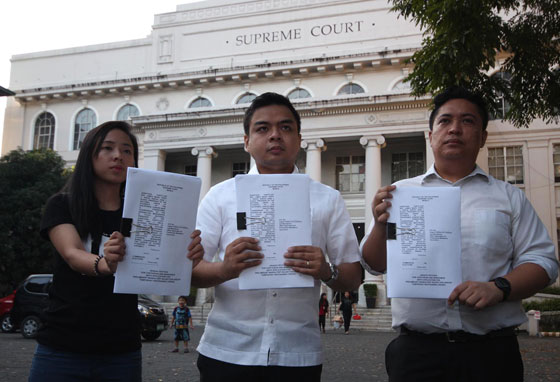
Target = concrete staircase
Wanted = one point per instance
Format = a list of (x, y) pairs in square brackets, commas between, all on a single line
[(378, 319)]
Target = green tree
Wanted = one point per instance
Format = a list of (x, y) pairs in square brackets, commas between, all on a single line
[(27, 180), (462, 39)]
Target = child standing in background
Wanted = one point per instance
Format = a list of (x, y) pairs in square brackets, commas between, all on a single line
[(181, 314)]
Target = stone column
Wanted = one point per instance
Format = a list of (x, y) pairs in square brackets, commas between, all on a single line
[(204, 166), (204, 172), (313, 148), (372, 145), (429, 152), (154, 159)]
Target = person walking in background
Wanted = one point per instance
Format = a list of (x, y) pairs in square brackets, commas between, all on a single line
[(181, 320), (347, 307), (323, 311), (89, 332)]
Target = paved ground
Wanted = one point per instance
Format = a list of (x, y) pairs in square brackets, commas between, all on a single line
[(356, 357)]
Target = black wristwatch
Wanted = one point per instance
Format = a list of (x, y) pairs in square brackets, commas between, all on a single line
[(504, 285)]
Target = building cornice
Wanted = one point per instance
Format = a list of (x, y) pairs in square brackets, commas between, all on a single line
[(241, 74), (307, 109)]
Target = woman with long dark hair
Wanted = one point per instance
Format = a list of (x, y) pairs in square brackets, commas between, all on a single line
[(91, 333), (323, 311)]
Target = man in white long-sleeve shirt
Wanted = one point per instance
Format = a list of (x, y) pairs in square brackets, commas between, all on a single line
[(270, 334), (506, 255)]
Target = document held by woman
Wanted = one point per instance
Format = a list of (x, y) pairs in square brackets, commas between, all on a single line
[(158, 217)]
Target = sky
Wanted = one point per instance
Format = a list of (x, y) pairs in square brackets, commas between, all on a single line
[(37, 25)]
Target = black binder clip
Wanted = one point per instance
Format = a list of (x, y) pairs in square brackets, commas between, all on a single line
[(242, 220), (126, 227), (392, 231)]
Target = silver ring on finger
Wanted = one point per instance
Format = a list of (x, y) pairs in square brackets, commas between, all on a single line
[(307, 264)]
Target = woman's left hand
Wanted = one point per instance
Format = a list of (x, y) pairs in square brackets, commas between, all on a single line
[(196, 251)]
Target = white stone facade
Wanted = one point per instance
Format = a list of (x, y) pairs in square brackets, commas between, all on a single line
[(222, 49)]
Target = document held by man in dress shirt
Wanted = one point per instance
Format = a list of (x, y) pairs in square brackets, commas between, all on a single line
[(424, 248), (160, 208), (277, 212)]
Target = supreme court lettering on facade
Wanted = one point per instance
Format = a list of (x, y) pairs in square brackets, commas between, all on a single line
[(329, 29)]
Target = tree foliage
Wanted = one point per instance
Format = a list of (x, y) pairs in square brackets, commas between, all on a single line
[(27, 180), (462, 39)]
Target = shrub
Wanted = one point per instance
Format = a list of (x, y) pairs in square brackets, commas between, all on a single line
[(549, 323), (551, 304), (551, 290)]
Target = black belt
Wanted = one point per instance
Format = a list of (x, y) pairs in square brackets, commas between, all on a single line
[(460, 336)]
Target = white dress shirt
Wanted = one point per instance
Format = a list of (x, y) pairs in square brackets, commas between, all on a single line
[(271, 326), (499, 231)]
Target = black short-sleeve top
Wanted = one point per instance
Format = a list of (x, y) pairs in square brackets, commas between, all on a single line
[(84, 315)]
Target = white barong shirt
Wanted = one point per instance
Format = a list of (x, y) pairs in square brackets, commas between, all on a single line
[(272, 326), (500, 230)]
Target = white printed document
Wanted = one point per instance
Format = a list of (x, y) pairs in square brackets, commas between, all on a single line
[(274, 209), (158, 217), (424, 242)]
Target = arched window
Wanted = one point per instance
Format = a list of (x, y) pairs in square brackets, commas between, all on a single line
[(402, 87), (503, 106), (127, 111), (44, 131), (351, 88), (299, 93), (246, 98), (85, 121), (200, 102)]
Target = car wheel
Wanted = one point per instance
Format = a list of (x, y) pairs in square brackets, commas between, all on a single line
[(29, 326), (6, 324), (150, 336)]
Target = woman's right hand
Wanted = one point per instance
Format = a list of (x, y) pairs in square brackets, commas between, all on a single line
[(114, 251)]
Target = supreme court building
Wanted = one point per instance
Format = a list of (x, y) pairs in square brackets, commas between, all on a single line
[(186, 86)]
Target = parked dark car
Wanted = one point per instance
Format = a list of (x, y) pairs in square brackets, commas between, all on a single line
[(154, 318), (29, 302), (31, 298), (6, 304)]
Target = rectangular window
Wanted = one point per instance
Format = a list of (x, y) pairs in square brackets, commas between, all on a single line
[(240, 168), (506, 163), (190, 170), (350, 173), (556, 162), (406, 165)]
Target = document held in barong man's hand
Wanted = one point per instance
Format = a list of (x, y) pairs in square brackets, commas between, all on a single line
[(274, 208)]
